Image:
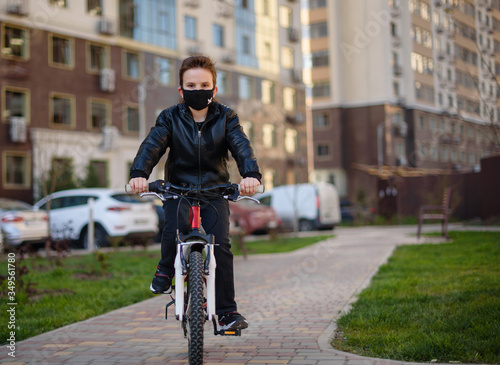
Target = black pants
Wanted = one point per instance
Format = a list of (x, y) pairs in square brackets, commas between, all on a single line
[(219, 227)]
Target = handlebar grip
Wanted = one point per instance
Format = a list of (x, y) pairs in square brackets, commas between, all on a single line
[(128, 188), (260, 188)]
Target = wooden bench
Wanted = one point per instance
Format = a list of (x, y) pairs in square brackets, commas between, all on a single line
[(436, 212)]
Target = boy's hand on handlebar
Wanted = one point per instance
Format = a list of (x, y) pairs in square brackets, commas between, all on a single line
[(248, 186), (138, 185)]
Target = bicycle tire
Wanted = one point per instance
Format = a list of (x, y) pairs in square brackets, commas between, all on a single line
[(195, 311)]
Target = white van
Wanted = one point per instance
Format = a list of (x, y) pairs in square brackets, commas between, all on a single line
[(315, 206)]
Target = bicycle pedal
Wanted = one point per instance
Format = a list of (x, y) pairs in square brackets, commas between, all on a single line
[(229, 333)]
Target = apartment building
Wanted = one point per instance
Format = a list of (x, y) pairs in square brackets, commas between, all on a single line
[(82, 82), (400, 83)]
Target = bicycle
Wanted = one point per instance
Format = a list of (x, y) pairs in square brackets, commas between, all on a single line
[(195, 263)]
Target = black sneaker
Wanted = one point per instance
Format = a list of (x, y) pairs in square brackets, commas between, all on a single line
[(232, 321), (161, 283)]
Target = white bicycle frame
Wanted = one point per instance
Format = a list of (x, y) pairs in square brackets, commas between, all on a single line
[(183, 250)]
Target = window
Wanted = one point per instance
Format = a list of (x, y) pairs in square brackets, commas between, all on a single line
[(97, 57), (99, 113), (246, 44), (322, 150), (268, 135), (15, 103), (421, 121), (321, 120), (267, 92), (62, 110), (152, 22), (98, 171), (14, 43), (287, 57), (132, 65), (289, 98), (432, 124), (218, 34), (268, 55), (291, 142), (190, 30), (472, 158), (269, 177), (222, 83), (94, 7), (314, 4), (316, 30), (163, 71), (285, 16), (132, 119), (265, 7), (59, 3), (16, 170), (444, 154), (61, 51), (320, 59), (245, 87), (321, 89)]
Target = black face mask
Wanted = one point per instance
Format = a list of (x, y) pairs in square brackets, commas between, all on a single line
[(198, 99)]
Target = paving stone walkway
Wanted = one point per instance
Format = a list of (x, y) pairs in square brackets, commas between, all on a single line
[(290, 300)]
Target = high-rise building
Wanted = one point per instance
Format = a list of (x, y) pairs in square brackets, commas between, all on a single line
[(400, 83), (82, 82)]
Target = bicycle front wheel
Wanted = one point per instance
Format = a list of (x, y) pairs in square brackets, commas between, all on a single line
[(195, 313)]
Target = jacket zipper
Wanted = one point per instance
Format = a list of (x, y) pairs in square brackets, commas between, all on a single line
[(199, 157)]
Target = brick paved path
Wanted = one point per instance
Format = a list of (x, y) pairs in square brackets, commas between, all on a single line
[(290, 300)]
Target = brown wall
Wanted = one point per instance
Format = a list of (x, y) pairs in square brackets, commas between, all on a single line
[(474, 195)]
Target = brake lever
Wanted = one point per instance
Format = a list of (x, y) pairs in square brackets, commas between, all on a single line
[(241, 197)]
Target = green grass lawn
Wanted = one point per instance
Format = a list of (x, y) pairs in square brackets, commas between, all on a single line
[(431, 302), (50, 296)]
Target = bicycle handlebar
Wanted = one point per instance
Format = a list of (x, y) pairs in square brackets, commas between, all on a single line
[(161, 186)]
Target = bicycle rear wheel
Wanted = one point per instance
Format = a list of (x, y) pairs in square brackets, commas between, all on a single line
[(195, 313)]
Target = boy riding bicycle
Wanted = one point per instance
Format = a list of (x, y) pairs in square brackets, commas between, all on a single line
[(199, 132)]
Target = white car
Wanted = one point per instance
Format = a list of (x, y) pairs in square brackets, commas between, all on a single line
[(21, 224), (118, 216)]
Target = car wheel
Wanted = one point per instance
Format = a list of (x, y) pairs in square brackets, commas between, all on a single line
[(100, 238), (306, 225)]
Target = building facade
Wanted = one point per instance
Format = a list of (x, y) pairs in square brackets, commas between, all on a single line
[(400, 83), (82, 83)]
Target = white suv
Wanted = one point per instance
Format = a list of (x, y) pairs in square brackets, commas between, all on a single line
[(118, 216)]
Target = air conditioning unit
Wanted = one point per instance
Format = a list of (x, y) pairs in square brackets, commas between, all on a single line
[(109, 137), (18, 129), (296, 75), (194, 50), (192, 3), (107, 81), (402, 129), (398, 70), (299, 118), (106, 26), (18, 7), (228, 58), (293, 35)]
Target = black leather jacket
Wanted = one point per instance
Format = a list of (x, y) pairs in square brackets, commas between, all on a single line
[(196, 156)]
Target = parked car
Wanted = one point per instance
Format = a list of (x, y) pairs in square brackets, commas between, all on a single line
[(252, 217), (118, 216), (354, 212), (21, 224), (316, 205)]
